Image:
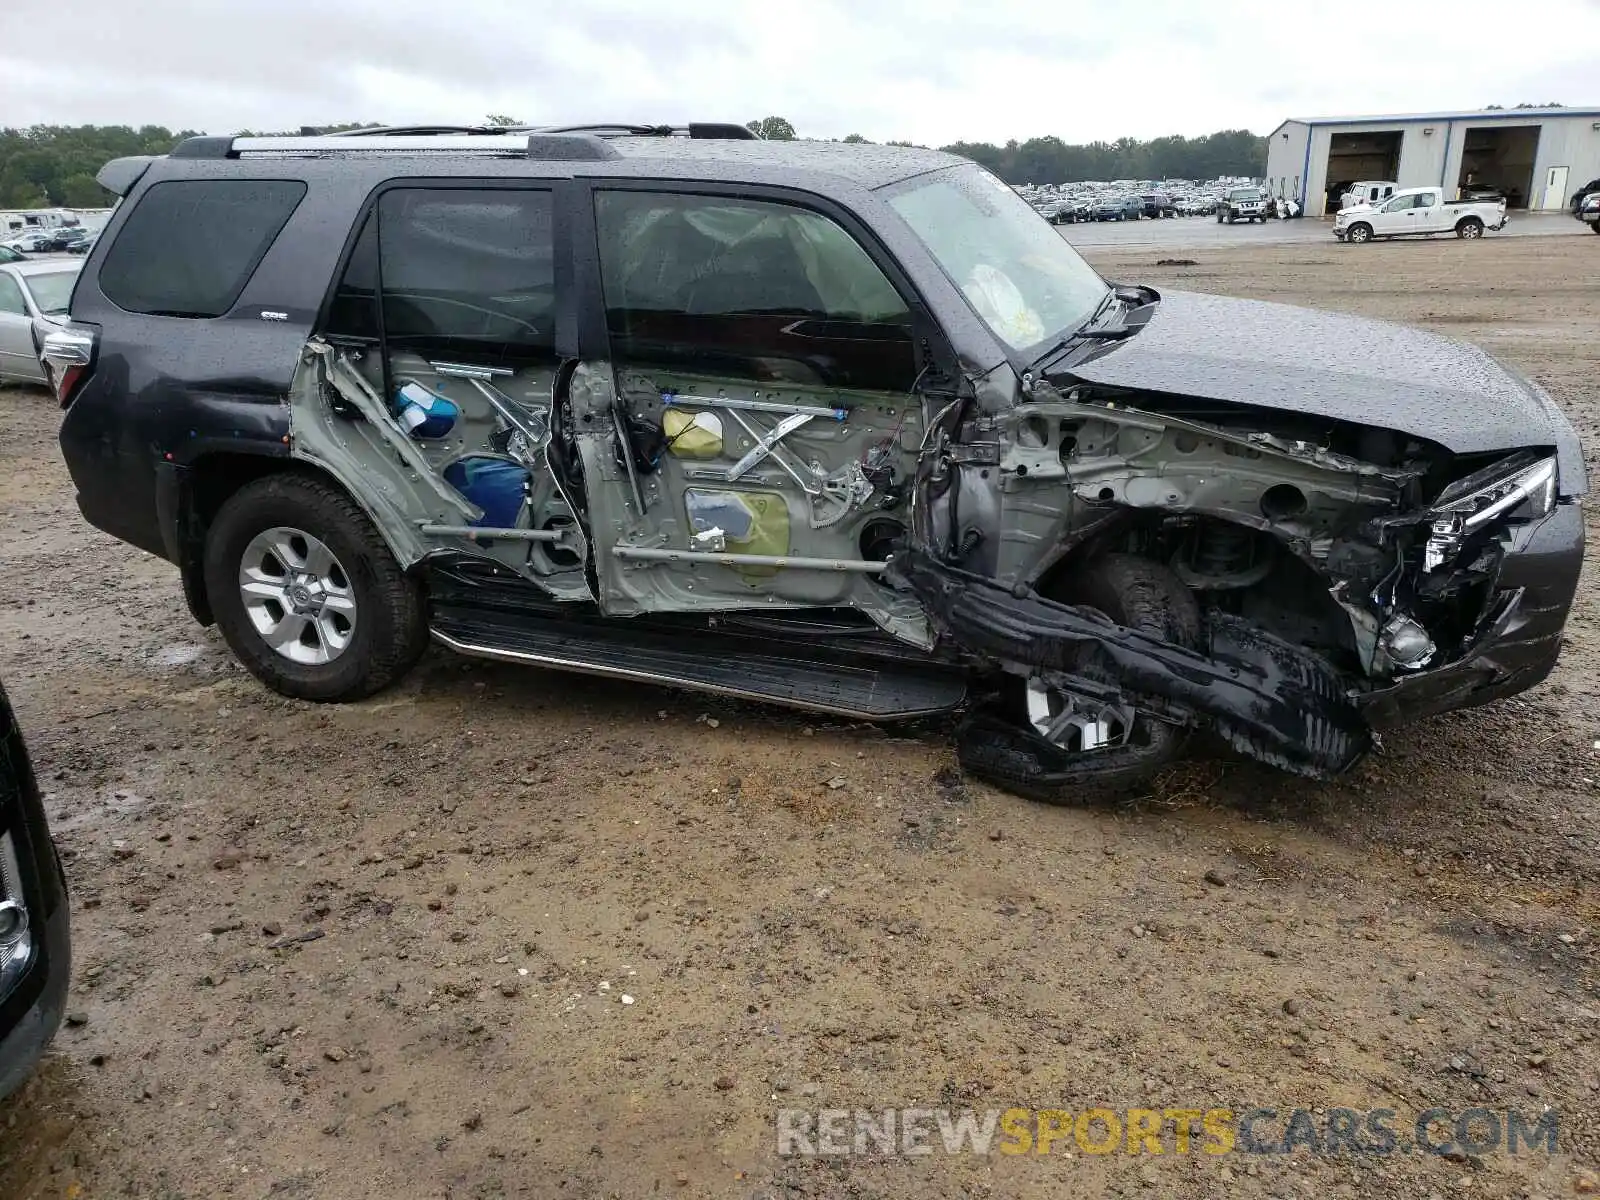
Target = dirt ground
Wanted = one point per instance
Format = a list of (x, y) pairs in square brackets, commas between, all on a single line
[(505, 933)]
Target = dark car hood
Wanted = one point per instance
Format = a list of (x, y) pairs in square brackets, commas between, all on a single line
[(1327, 364)]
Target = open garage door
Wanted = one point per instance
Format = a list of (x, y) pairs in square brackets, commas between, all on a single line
[(1358, 156), (1501, 156)]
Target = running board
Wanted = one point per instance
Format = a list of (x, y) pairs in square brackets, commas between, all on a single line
[(698, 661)]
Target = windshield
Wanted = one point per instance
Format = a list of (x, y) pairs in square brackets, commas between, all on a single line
[(1017, 272), (1245, 194), (53, 292)]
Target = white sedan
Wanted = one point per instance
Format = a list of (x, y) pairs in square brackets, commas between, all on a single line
[(33, 300)]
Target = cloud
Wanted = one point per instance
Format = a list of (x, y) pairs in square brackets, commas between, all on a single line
[(933, 71)]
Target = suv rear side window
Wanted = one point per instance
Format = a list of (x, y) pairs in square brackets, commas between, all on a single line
[(748, 289), (474, 265), (190, 246)]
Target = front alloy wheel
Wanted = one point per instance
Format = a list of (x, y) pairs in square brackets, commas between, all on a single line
[(1059, 720)]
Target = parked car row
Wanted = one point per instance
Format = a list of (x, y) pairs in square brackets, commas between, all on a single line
[(1129, 207), (74, 239), (1248, 203), (1067, 204)]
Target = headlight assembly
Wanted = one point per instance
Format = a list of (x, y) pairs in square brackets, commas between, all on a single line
[(1520, 488)]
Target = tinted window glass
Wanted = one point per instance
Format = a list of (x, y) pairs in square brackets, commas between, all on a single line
[(748, 289), (354, 311), (467, 265), (11, 297), (190, 246)]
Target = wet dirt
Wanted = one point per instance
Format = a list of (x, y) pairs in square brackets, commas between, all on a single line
[(498, 932)]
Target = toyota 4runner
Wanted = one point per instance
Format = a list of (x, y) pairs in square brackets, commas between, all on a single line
[(849, 428)]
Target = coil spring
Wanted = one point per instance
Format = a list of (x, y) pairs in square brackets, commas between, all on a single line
[(1222, 549)]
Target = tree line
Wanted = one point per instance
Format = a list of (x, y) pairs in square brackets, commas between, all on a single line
[(55, 165), (1050, 160)]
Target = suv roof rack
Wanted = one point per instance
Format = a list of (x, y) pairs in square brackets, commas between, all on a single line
[(699, 130), (578, 143)]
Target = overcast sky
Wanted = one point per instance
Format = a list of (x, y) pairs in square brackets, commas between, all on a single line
[(930, 71)]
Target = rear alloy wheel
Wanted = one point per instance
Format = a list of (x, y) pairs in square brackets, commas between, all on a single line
[(1358, 233), (1469, 227), (297, 595), (1057, 751), (307, 594)]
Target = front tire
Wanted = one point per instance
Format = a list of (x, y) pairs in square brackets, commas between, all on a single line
[(1010, 753), (307, 594), (1358, 233)]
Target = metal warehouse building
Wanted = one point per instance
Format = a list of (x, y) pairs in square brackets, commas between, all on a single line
[(1537, 156)]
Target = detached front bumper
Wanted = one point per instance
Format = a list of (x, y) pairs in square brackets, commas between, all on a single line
[(1518, 643), (1266, 697)]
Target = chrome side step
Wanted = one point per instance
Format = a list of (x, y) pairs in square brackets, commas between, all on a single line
[(869, 692)]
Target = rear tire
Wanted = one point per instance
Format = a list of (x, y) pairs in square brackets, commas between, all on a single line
[(380, 629), (1469, 227), (1134, 592)]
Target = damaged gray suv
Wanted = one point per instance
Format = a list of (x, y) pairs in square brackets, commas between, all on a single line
[(842, 427)]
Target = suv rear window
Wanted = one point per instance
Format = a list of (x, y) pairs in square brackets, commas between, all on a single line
[(189, 246)]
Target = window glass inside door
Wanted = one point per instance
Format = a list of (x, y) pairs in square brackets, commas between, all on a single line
[(749, 290)]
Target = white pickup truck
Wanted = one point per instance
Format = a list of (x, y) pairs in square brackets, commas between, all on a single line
[(1417, 211)]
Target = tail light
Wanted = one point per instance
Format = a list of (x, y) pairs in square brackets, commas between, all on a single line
[(68, 357)]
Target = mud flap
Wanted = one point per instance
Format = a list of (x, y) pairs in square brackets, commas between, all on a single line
[(1266, 697)]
